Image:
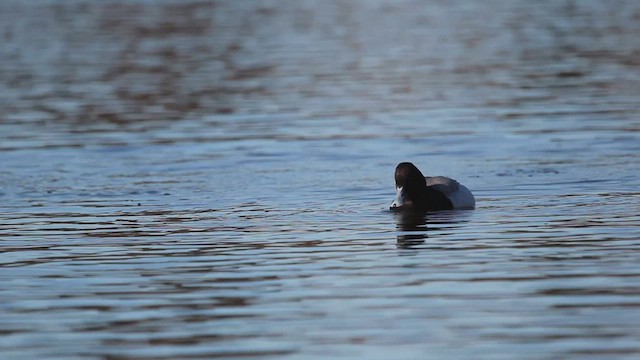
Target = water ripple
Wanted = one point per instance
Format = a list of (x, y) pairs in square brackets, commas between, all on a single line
[(212, 180)]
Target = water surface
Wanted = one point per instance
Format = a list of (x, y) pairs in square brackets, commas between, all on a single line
[(212, 179)]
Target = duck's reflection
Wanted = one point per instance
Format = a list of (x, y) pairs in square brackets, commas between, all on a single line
[(412, 229), (412, 226)]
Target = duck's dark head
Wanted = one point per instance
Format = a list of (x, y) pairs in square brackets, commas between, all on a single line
[(410, 185)]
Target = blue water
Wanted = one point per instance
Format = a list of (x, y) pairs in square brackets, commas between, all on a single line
[(212, 180)]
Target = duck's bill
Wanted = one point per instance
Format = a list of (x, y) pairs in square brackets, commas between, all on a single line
[(399, 201)]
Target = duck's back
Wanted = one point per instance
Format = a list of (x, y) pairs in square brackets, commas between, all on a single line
[(442, 183)]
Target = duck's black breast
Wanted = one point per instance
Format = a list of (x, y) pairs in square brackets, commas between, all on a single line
[(436, 200)]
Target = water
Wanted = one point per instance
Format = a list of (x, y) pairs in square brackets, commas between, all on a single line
[(212, 179)]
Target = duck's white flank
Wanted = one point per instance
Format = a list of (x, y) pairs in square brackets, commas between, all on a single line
[(458, 194), (462, 198)]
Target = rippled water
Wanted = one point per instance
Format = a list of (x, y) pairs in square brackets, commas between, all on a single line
[(212, 179)]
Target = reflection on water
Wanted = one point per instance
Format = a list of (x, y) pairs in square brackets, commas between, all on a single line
[(412, 227), (211, 179)]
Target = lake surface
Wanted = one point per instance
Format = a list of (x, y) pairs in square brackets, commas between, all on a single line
[(186, 180)]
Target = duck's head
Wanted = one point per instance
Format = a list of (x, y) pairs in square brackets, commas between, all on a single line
[(410, 184)]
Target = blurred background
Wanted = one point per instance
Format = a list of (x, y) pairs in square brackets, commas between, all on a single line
[(212, 178)]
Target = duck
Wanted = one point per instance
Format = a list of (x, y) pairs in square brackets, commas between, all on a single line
[(417, 192)]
